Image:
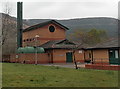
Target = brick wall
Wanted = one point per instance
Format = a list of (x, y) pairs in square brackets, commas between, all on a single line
[(45, 35), (55, 56), (30, 58), (59, 55), (100, 53), (79, 55), (101, 56)]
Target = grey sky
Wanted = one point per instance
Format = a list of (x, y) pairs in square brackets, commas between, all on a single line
[(66, 9)]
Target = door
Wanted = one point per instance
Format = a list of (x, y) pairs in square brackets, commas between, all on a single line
[(114, 56), (69, 57)]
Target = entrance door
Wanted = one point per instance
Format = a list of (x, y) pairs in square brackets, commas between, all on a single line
[(69, 57), (114, 56)]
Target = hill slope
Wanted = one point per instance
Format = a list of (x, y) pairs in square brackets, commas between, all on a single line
[(108, 24), (101, 23)]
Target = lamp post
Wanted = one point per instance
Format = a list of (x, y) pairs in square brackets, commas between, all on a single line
[(36, 36)]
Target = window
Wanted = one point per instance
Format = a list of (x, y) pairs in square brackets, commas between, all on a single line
[(30, 39), (51, 28), (116, 53), (80, 51), (24, 40), (33, 39)]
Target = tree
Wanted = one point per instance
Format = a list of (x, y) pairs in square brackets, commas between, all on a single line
[(5, 22), (94, 36), (8, 35), (79, 35), (91, 37)]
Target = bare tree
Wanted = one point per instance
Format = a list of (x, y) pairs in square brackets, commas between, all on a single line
[(8, 30), (5, 21), (0, 38)]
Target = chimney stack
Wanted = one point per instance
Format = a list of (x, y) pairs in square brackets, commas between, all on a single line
[(19, 24)]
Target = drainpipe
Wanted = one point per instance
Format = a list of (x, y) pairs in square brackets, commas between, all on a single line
[(84, 55), (92, 56)]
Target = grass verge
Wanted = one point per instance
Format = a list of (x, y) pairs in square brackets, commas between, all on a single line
[(28, 75)]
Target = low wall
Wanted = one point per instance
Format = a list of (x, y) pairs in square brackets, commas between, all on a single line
[(29, 58), (102, 67)]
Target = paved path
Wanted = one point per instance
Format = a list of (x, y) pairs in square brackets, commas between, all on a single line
[(67, 65)]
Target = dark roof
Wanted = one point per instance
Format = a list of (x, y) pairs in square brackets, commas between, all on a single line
[(59, 44), (66, 44), (108, 44), (43, 24)]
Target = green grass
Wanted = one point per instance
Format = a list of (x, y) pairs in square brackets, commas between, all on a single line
[(28, 75)]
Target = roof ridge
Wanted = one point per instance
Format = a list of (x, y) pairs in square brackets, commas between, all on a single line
[(43, 24)]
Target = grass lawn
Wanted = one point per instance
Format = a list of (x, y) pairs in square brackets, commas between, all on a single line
[(28, 75)]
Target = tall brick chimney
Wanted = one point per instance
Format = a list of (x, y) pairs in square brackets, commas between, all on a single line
[(19, 24)]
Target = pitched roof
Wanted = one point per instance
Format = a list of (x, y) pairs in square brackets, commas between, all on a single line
[(66, 44), (109, 44), (58, 44), (43, 24)]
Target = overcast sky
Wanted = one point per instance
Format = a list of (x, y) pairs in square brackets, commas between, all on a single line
[(64, 9)]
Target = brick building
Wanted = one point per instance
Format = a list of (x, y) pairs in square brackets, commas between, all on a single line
[(51, 35), (47, 31), (104, 53)]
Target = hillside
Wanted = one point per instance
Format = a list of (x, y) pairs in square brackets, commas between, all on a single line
[(9, 30), (108, 24), (101, 23)]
